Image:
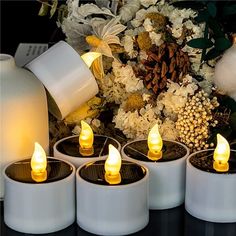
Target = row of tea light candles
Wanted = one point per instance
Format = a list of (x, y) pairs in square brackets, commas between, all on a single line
[(113, 196)]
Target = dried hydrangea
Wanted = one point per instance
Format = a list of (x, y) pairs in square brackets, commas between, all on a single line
[(128, 43), (112, 91), (176, 96), (136, 124), (168, 130), (116, 86), (124, 74), (147, 3)]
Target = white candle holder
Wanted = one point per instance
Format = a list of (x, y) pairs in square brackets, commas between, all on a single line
[(210, 196), (112, 209), (38, 208), (167, 178), (67, 78), (68, 149)]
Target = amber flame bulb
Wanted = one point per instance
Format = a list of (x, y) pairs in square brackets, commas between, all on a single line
[(112, 166), (38, 164), (155, 144), (221, 154), (90, 57), (86, 138)]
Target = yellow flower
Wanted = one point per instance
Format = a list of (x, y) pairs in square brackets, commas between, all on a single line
[(88, 109), (104, 35)]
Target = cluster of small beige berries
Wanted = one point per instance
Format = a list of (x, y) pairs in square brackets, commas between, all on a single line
[(195, 119)]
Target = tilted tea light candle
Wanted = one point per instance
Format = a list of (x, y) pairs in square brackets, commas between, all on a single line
[(79, 149), (66, 76), (166, 163), (39, 194), (112, 196), (211, 183)]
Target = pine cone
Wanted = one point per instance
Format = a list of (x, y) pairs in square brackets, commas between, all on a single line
[(167, 61)]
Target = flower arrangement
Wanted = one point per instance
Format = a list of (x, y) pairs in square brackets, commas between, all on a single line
[(152, 70)]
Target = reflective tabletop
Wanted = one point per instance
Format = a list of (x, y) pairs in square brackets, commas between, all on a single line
[(171, 222)]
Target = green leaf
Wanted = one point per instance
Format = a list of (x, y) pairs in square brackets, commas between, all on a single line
[(43, 11), (211, 54), (211, 7), (206, 31), (201, 43), (216, 28), (228, 102), (202, 16), (54, 8), (229, 10), (232, 121), (222, 44)]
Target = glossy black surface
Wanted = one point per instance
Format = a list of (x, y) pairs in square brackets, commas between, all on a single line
[(71, 146), (130, 172), (21, 171), (139, 150), (172, 222), (204, 161)]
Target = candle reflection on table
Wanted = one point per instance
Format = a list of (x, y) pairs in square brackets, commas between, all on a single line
[(196, 227), (172, 222)]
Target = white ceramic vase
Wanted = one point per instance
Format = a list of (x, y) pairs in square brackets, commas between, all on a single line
[(23, 114)]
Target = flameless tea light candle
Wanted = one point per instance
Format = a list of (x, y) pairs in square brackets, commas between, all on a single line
[(39, 194), (68, 79), (79, 149), (210, 183), (112, 196), (166, 163)]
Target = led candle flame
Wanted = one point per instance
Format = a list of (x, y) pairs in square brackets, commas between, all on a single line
[(90, 57), (38, 164), (154, 144), (86, 139), (112, 166), (221, 154)]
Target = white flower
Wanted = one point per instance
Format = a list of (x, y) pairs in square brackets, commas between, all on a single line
[(143, 55), (168, 130), (176, 97), (127, 11), (96, 123), (128, 43), (125, 75), (146, 97), (77, 129), (136, 125), (156, 38), (111, 90), (147, 3), (147, 24), (177, 30)]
